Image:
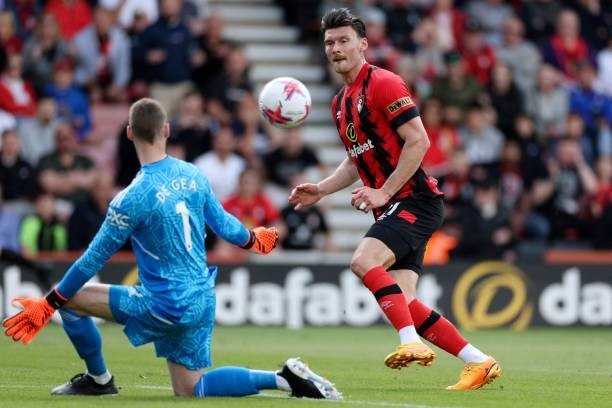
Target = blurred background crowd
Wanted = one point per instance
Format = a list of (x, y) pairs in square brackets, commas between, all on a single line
[(516, 97)]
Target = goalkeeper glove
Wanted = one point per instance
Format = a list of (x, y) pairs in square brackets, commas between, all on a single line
[(36, 313), (262, 240)]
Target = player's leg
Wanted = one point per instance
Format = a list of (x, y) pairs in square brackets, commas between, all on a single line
[(295, 377), (480, 368), (91, 300), (376, 252)]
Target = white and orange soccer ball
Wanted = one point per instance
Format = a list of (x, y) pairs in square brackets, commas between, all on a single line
[(284, 102)]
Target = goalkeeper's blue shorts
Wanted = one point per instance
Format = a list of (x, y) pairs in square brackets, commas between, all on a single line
[(187, 345)]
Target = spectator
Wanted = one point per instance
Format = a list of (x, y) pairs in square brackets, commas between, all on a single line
[(491, 15), (229, 87), (17, 95), (65, 173), (9, 228), (103, 58), (604, 64), (37, 134), (506, 98), (16, 175), (127, 160), (601, 205), (483, 142), (566, 48), (25, 13), (575, 130), (290, 159), (170, 50), (604, 137), (7, 121), (450, 24), (8, 38), (510, 175), (456, 89), (456, 184), (132, 10), (221, 166), (43, 231), (306, 226), (72, 103), (520, 55), (444, 139), (486, 232), (89, 215), (478, 56), (540, 17), (216, 49), (253, 140), (192, 127), (571, 179), (548, 103), (588, 102), (42, 51), (380, 51), (402, 19), (71, 15), (408, 69), (532, 152), (595, 18), (429, 54), (249, 204)]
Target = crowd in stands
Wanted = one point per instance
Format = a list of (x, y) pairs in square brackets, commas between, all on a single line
[(516, 97), (68, 71)]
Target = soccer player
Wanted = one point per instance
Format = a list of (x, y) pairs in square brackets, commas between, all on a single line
[(385, 140), (163, 211)]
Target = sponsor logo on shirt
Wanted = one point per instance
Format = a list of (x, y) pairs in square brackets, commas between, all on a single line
[(116, 219), (351, 133), (400, 103), (358, 149)]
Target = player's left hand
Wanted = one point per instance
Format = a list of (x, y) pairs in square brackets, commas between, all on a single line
[(367, 198), (262, 240), (25, 325)]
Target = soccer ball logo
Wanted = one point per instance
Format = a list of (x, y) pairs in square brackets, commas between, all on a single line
[(284, 102)]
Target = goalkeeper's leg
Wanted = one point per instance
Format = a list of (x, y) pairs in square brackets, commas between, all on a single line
[(87, 341)]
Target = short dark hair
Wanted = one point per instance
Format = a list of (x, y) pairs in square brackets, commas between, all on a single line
[(147, 119), (342, 18)]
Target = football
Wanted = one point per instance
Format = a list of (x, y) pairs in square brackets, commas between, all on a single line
[(284, 102)]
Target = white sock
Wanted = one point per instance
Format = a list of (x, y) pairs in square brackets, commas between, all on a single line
[(409, 334), (470, 354), (102, 378), (282, 384)]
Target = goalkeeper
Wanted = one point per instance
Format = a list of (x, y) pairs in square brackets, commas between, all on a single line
[(163, 211)]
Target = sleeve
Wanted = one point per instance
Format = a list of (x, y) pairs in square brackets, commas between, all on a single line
[(122, 218), (220, 221), (391, 96)]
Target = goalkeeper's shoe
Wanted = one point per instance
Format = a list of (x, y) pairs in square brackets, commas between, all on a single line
[(305, 383), (475, 375), (83, 384), (406, 354)]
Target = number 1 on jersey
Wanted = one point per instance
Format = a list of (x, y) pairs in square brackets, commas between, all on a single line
[(181, 209)]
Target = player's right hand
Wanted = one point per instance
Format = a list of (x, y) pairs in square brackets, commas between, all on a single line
[(304, 195), (25, 325), (263, 240)]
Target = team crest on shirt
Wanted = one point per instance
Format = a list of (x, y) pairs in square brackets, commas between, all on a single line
[(360, 102), (400, 103)]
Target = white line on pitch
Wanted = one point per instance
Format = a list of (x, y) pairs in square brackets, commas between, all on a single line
[(263, 395)]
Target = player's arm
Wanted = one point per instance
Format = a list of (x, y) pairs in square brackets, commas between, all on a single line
[(308, 194), (116, 228), (261, 239), (416, 143)]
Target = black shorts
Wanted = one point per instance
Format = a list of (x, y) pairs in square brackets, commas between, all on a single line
[(405, 228)]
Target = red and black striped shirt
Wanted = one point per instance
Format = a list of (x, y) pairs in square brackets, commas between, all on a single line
[(367, 115)]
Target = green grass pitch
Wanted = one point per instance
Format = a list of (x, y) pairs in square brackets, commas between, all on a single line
[(541, 368)]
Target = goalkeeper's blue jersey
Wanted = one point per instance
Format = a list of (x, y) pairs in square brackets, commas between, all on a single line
[(164, 211)]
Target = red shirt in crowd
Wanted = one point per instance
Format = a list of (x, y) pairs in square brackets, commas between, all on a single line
[(71, 16), (254, 212)]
